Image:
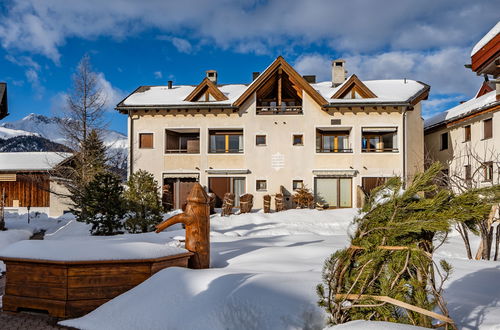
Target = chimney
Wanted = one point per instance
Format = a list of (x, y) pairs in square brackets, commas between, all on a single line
[(338, 72), (212, 76), (169, 83), (255, 75), (310, 78)]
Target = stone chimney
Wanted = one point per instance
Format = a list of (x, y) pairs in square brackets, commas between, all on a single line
[(338, 72), (169, 84), (310, 78), (212, 76), (255, 75)]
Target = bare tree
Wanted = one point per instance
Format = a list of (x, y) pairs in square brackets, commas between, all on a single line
[(82, 127), (84, 105), (473, 167)]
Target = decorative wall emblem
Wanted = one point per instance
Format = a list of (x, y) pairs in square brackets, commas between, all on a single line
[(277, 161)]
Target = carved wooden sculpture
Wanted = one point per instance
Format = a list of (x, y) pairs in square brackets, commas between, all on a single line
[(267, 203), (227, 204), (246, 203), (279, 202), (196, 218), (211, 197)]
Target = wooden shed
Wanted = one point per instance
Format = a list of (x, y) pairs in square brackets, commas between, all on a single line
[(26, 183)]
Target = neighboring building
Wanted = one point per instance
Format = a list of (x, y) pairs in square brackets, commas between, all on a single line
[(466, 138), (25, 178), (282, 130), (4, 109)]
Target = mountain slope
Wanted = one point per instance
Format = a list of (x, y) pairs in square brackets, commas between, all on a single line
[(30, 143), (48, 128)]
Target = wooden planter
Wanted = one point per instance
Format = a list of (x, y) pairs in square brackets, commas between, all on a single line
[(73, 288)]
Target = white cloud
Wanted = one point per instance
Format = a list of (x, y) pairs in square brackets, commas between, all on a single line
[(244, 26), (158, 74), (182, 45), (111, 94), (34, 80)]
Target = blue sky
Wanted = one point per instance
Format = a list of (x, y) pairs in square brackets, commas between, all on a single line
[(134, 43)]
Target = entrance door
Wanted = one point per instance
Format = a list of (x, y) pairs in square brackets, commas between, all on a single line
[(219, 186), (176, 191), (336, 192)]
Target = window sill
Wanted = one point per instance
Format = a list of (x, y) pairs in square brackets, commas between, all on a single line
[(261, 145), (489, 138)]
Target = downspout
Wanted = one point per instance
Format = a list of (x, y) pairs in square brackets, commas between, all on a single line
[(131, 144), (405, 110)]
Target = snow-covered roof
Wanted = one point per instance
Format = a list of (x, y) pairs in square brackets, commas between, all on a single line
[(162, 95), (391, 91), (487, 38), (464, 109), (395, 90), (30, 161)]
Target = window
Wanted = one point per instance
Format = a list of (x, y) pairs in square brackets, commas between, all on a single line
[(488, 171), (182, 140), (488, 128), (298, 140), (468, 172), (145, 140), (332, 141), (467, 134), (260, 140), (226, 141), (297, 184), (444, 141), (384, 139), (261, 185)]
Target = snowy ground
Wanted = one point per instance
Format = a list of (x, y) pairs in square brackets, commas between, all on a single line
[(264, 271)]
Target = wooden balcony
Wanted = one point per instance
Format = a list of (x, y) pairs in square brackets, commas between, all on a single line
[(280, 110)]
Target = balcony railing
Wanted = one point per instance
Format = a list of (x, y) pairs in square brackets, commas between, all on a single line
[(225, 151), (380, 150), (181, 151), (319, 150), (279, 110)]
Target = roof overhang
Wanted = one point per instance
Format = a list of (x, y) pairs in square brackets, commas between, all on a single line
[(422, 94), (335, 173), (487, 59), (228, 171)]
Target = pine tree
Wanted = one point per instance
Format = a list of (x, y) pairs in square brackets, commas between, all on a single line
[(391, 256), (82, 168), (142, 197), (102, 205)]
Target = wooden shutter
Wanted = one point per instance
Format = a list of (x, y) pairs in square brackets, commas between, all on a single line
[(146, 140), (488, 128)]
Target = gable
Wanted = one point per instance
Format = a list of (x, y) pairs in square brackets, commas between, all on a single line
[(486, 87), (206, 91), (353, 88), (282, 77)]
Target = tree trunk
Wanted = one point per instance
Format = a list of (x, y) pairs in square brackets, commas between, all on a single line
[(462, 229), (497, 242)]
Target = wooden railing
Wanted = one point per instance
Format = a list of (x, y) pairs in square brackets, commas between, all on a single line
[(279, 110)]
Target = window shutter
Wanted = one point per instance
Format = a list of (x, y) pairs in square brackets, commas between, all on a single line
[(488, 128)]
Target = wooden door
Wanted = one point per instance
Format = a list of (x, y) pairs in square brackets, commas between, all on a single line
[(185, 187), (369, 183), (219, 186)]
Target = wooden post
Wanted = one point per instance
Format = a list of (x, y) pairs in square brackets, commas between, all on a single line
[(197, 221), (267, 203)]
